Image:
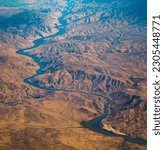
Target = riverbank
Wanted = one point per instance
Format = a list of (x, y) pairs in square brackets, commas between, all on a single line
[(95, 124)]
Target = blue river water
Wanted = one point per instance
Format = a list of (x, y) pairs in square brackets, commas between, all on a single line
[(94, 124)]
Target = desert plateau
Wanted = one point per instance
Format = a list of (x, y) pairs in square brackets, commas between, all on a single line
[(73, 75)]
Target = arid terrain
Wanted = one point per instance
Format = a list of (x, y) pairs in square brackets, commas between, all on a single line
[(73, 75)]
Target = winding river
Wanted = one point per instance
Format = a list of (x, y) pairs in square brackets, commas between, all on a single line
[(95, 124)]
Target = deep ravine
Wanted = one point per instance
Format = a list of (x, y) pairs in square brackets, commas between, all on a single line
[(94, 124)]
